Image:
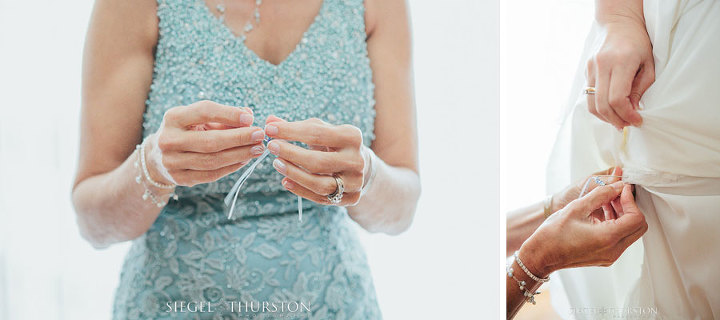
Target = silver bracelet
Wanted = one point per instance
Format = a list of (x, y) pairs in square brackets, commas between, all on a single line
[(529, 296), (532, 276), (141, 148), (148, 194)]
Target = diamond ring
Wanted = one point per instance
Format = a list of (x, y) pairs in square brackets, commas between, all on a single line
[(337, 196)]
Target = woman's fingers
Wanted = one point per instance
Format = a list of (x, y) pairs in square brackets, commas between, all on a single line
[(621, 82), (212, 140), (311, 160), (348, 199), (643, 80), (315, 132), (194, 177), (591, 82), (303, 192), (207, 111), (319, 184), (632, 218), (214, 160), (596, 198), (609, 211)]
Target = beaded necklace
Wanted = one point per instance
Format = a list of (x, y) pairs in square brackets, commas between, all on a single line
[(249, 25)]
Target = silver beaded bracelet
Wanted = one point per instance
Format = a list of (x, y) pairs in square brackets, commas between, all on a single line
[(532, 276), (529, 296), (144, 178), (141, 148)]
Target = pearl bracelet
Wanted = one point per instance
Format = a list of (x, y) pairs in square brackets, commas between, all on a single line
[(529, 296), (141, 148), (144, 173)]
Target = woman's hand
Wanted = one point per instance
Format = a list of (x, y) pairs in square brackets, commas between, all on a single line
[(572, 192), (575, 237), (203, 142), (621, 71), (334, 150)]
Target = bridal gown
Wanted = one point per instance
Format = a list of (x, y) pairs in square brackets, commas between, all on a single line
[(674, 160), (193, 252)]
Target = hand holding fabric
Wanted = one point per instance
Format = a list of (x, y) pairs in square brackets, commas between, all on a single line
[(576, 237), (621, 71)]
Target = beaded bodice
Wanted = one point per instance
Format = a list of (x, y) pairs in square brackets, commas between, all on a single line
[(327, 76), (192, 252)]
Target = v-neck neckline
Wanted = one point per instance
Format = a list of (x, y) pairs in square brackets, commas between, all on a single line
[(240, 41)]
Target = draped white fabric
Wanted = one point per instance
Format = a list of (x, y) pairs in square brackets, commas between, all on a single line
[(674, 158)]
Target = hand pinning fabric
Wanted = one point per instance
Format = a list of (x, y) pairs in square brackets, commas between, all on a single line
[(231, 198)]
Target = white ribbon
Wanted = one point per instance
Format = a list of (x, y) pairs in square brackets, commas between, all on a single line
[(232, 196)]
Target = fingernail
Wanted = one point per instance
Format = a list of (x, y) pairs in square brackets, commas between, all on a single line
[(257, 150), (249, 110), (246, 119), (279, 165), (271, 130), (638, 122), (287, 184), (274, 147), (257, 136)]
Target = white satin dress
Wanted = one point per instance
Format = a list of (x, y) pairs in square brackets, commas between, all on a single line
[(674, 160)]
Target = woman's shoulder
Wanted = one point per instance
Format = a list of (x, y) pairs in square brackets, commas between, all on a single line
[(377, 11), (136, 20)]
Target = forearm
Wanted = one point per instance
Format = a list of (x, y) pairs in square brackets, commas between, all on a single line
[(515, 298), (390, 202), (521, 223), (611, 11), (534, 258), (110, 207)]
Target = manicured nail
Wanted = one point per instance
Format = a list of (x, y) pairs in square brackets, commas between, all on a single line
[(638, 122), (257, 150), (274, 147), (287, 184), (271, 130), (279, 165), (257, 136), (246, 119), (249, 110)]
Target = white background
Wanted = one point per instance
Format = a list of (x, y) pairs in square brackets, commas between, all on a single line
[(540, 47), (447, 266)]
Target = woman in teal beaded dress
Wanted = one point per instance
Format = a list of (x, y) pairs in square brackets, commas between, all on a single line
[(179, 96)]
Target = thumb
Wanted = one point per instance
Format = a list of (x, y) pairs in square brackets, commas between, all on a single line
[(597, 198), (632, 218), (273, 118)]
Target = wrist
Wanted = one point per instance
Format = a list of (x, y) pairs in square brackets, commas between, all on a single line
[(535, 258), (621, 22), (369, 170), (153, 159)]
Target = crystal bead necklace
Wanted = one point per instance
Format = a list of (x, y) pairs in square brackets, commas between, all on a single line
[(249, 25)]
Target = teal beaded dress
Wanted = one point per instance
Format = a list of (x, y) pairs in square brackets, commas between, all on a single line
[(193, 253)]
